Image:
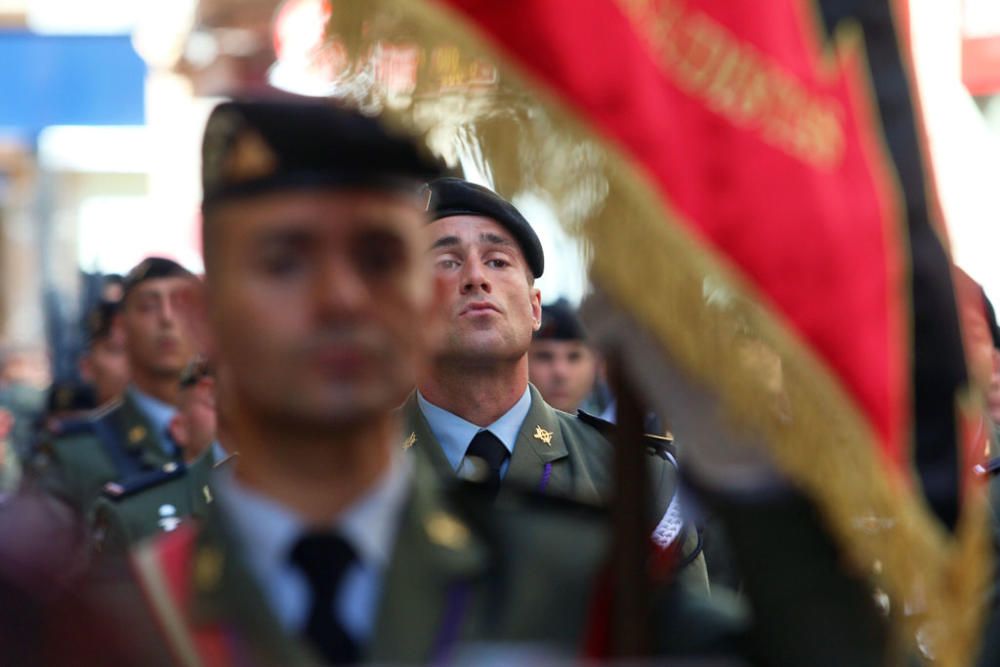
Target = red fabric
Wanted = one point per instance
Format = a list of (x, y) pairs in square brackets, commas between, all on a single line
[(175, 553), (821, 244), (597, 637)]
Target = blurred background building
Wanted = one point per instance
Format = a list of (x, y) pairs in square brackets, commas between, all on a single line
[(103, 104)]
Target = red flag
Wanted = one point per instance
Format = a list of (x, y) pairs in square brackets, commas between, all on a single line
[(749, 177)]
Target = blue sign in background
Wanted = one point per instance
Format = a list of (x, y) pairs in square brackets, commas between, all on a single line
[(69, 80)]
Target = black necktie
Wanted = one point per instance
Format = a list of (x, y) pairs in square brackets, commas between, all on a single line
[(489, 449), (324, 558)]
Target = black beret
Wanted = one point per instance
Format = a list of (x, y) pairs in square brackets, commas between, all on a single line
[(256, 146), (453, 196), (152, 268), (560, 322), (99, 319)]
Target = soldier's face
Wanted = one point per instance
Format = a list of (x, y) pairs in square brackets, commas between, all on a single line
[(492, 308), (317, 302), (564, 372), (158, 340)]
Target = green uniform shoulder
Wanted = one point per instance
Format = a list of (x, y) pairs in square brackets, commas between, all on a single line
[(659, 444), (154, 502), (671, 525), (63, 433), (71, 463)]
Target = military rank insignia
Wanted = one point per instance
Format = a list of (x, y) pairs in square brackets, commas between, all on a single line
[(543, 435)]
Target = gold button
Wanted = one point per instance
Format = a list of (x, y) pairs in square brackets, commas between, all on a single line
[(208, 569), (447, 531)]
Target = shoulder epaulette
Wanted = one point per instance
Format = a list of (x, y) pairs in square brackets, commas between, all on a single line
[(129, 487), (602, 425), (660, 444)]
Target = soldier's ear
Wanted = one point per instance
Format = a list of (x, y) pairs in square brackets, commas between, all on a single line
[(536, 308), (193, 308), (178, 430)]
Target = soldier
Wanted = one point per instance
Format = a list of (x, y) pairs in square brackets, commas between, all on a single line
[(104, 363), (475, 411), (160, 500), (562, 365), (129, 437)]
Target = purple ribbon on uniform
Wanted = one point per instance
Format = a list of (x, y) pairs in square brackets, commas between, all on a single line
[(546, 474), (458, 597)]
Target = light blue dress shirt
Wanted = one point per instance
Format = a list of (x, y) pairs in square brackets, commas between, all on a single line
[(267, 531), (455, 434), (159, 415)]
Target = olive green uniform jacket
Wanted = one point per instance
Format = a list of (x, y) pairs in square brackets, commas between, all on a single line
[(158, 502), (522, 572), (560, 455), (116, 443), (464, 571)]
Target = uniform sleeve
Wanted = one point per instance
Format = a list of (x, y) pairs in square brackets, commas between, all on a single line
[(672, 524), (70, 470)]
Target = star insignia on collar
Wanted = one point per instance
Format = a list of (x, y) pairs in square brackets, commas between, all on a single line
[(410, 441), (543, 435)]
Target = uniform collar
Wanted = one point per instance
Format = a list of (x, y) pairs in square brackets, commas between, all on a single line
[(455, 433), (431, 548), (156, 411), (268, 530)]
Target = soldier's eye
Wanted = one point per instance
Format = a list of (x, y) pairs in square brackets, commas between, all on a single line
[(377, 254), (146, 306), (280, 264), (446, 264)]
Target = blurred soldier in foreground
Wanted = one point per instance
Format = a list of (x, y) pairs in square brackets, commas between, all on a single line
[(104, 363), (130, 437), (562, 365), (475, 412)]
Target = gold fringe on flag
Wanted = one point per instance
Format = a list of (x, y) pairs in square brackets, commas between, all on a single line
[(699, 307)]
